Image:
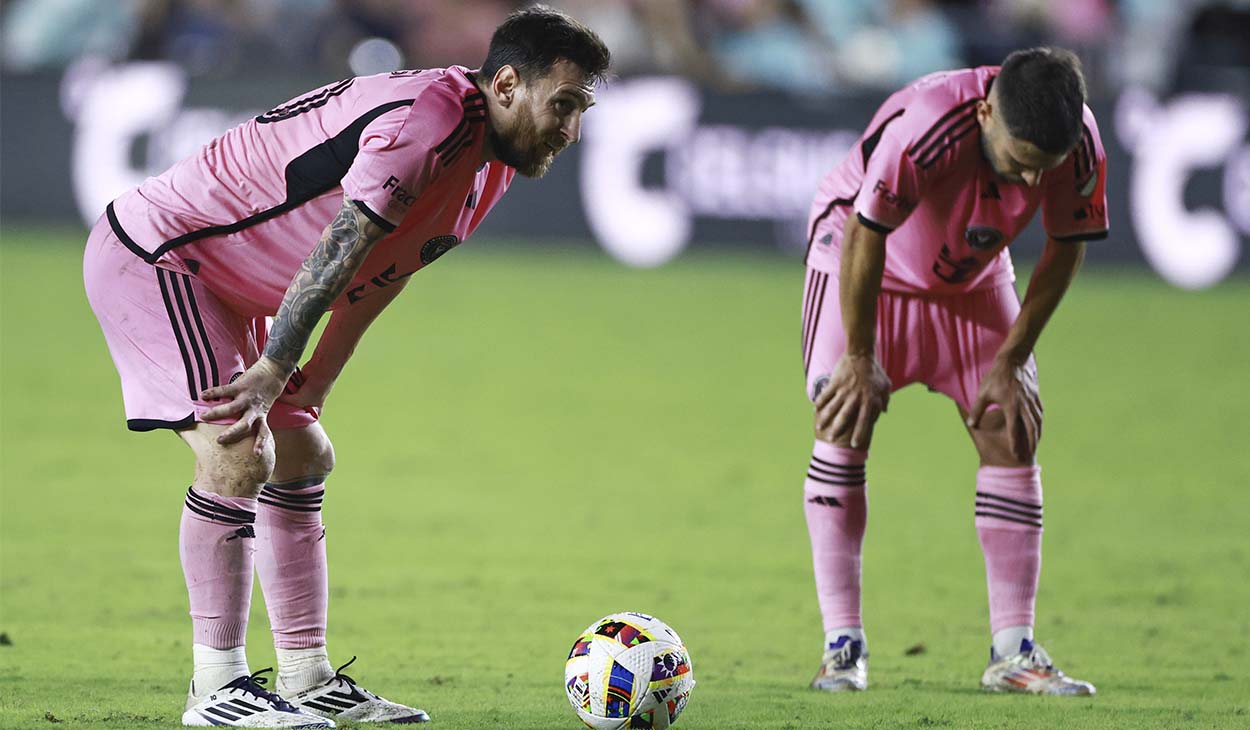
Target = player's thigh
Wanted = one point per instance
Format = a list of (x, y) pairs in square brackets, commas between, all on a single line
[(898, 331), (231, 470), (303, 452), (974, 327), (169, 336)]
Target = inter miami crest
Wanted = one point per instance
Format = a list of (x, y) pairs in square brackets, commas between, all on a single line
[(437, 246), (983, 238)]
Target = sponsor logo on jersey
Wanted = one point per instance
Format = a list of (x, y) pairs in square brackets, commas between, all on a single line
[(891, 197), (399, 193), (983, 238), (437, 246)]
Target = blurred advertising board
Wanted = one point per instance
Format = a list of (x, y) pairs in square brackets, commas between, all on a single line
[(663, 165)]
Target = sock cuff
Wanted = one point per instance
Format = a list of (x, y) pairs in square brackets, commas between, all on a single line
[(833, 467), (304, 495), (216, 508), (1009, 498)]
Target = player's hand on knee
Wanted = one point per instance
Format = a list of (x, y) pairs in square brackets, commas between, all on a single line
[(858, 392), (1014, 389), (249, 399)]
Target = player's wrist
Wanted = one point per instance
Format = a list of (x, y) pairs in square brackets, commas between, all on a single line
[(277, 368)]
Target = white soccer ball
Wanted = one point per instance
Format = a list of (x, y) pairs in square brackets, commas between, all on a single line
[(628, 670)]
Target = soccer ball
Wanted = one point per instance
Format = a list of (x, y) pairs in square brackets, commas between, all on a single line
[(628, 670)]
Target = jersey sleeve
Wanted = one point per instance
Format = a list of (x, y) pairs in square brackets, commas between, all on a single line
[(892, 181), (397, 158), (1075, 206)]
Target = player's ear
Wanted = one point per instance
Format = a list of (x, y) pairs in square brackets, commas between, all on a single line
[(505, 84), (984, 111)]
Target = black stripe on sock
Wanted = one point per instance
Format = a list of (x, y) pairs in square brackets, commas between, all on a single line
[(291, 507), (836, 482), (817, 461), (1032, 514), (1018, 503), (1034, 523), (238, 514)]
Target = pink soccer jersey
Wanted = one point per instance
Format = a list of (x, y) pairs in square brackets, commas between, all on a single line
[(244, 213), (919, 175)]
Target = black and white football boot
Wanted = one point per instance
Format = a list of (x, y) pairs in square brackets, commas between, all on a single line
[(246, 703), (342, 699)]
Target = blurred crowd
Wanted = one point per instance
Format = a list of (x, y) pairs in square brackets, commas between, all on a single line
[(801, 46)]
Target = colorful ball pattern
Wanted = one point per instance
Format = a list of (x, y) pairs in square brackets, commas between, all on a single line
[(628, 670)]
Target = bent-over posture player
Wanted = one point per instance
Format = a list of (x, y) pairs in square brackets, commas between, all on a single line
[(909, 281), (328, 202)]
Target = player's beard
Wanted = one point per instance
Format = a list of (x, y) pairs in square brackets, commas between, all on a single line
[(522, 146)]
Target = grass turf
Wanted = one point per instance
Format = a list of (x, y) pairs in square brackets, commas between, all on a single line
[(531, 439)]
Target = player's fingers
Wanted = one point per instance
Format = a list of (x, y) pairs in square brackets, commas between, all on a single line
[(863, 426), (225, 410), (846, 415), (825, 395), (830, 410), (978, 410), (263, 436), (237, 431), (220, 392)]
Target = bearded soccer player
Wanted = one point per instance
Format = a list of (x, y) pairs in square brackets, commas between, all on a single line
[(326, 203), (909, 281)]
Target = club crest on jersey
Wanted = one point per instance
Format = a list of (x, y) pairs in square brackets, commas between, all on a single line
[(983, 238), (437, 246)]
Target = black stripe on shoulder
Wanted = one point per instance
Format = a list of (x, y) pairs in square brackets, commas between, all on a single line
[(871, 141), (151, 424), (955, 132), (307, 176), (1077, 237), (872, 225), (941, 124), (378, 220)]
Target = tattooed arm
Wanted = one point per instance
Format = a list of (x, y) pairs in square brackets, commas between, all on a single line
[(322, 277)]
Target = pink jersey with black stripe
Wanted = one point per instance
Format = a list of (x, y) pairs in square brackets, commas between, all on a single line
[(919, 174), (244, 213)]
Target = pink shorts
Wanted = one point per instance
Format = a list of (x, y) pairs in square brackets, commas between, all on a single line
[(946, 342), (170, 338)]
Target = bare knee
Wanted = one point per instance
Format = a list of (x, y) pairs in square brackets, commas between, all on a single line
[(233, 470), (993, 445), (303, 453)]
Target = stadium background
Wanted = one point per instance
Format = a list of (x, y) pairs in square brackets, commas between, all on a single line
[(541, 433)]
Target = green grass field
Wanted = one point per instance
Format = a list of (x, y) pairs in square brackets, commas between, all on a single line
[(532, 439)]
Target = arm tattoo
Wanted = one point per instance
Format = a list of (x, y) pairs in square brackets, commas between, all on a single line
[(323, 276)]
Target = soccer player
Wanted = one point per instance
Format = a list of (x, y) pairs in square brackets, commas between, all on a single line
[(909, 281), (326, 203)]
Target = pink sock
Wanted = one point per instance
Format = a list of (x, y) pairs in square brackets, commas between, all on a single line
[(1009, 524), (837, 513), (291, 561), (215, 542)]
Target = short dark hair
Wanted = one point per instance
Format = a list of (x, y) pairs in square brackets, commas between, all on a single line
[(1042, 95), (533, 39)]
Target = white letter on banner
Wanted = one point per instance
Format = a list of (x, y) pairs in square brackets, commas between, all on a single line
[(121, 104), (1192, 249), (637, 225)]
